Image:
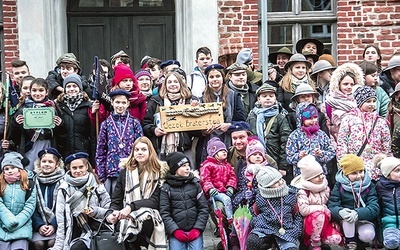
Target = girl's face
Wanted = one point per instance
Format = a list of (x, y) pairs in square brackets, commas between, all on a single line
[(172, 84), (38, 93), (10, 170), (371, 79), (325, 75), (72, 89), (319, 179), (126, 84), (120, 104), (256, 158), (306, 98), (25, 88), (281, 60), (356, 176), (48, 163), (183, 170), (310, 122), (371, 55), (238, 78), (78, 168), (299, 70), (215, 80), (266, 99), (141, 152), (144, 83), (395, 174), (310, 47), (221, 155), (346, 85), (277, 184), (369, 105)]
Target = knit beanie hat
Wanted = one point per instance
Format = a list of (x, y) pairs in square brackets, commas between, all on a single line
[(309, 112), (351, 163), (176, 160), (121, 72), (75, 78), (143, 72), (266, 177), (214, 146), (386, 164), (254, 146), (363, 94), (309, 167), (13, 159)]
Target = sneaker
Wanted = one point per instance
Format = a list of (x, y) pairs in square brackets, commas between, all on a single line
[(351, 246)]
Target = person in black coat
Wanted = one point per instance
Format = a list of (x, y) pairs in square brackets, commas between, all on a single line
[(183, 206)]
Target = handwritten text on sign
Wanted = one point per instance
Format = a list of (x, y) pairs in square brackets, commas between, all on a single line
[(186, 117)]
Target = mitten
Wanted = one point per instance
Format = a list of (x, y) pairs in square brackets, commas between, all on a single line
[(213, 192), (193, 234), (181, 235), (344, 213), (230, 191), (248, 195), (353, 217)]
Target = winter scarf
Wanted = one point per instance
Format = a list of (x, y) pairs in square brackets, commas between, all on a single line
[(355, 185), (341, 104), (138, 188), (45, 212), (73, 102), (296, 82), (243, 91), (280, 191), (170, 141), (12, 178), (310, 130), (261, 113), (178, 181), (77, 201)]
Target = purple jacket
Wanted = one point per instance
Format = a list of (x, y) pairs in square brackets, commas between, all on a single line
[(114, 144)]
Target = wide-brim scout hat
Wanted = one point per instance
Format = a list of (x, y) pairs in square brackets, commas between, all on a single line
[(273, 56), (297, 58), (393, 63), (304, 89), (314, 57), (320, 66), (300, 44)]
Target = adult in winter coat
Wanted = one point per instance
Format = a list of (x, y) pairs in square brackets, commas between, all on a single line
[(76, 209), (390, 76), (74, 105)]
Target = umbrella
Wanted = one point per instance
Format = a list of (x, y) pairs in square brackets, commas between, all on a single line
[(220, 221), (241, 222)]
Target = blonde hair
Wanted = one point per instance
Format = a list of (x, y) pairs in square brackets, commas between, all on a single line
[(287, 84), (152, 164), (184, 90), (24, 182), (37, 167)]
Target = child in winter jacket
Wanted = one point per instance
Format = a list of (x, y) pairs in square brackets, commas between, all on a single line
[(388, 189), (277, 221), (354, 202), (312, 199), (117, 135), (17, 203), (217, 176), (308, 138), (183, 205)]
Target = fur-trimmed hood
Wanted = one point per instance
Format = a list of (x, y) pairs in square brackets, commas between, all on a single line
[(341, 71), (163, 171)]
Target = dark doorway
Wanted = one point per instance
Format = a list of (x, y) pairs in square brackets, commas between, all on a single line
[(104, 27)]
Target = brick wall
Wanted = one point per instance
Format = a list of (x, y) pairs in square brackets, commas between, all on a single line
[(10, 20), (366, 22), (238, 26)]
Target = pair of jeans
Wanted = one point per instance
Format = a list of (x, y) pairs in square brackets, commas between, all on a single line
[(196, 244)]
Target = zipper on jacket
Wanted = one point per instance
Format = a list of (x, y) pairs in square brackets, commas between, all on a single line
[(396, 211)]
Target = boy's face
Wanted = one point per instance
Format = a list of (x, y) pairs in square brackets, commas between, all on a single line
[(38, 93), (369, 105), (256, 158), (266, 99), (238, 78), (19, 73), (311, 121), (203, 61), (356, 176), (67, 70), (281, 60), (183, 170), (395, 174), (120, 103), (25, 88), (221, 155), (319, 179)]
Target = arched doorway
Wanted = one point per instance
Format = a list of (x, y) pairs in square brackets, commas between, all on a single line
[(104, 27)]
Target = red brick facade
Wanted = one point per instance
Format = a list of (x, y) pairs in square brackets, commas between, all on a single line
[(10, 20)]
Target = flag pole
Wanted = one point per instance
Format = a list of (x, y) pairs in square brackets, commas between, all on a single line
[(7, 105)]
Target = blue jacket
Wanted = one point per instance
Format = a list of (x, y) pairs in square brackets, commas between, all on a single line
[(16, 212), (389, 196)]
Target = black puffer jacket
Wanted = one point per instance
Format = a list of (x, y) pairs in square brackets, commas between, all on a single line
[(80, 134), (183, 204), (387, 82)]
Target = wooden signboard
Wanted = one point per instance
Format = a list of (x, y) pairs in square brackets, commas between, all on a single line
[(187, 117)]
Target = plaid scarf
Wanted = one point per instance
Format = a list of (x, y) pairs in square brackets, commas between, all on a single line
[(170, 141), (73, 101), (138, 189)]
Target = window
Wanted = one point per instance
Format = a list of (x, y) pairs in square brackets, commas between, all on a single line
[(114, 5), (292, 20)]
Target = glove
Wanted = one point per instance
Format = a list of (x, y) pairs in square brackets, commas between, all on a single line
[(353, 217), (181, 235), (213, 192), (344, 213), (229, 192), (193, 234), (248, 195)]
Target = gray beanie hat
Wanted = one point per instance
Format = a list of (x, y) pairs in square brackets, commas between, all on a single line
[(75, 78), (12, 159)]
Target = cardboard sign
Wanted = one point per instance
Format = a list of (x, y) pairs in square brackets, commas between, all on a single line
[(35, 118), (186, 117)]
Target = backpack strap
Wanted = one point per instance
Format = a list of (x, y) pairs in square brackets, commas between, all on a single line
[(269, 125)]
